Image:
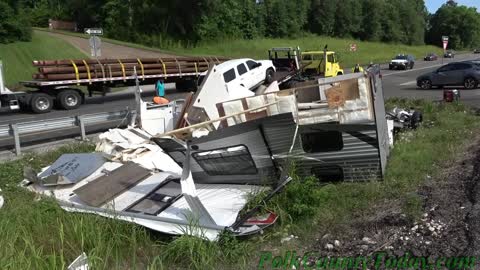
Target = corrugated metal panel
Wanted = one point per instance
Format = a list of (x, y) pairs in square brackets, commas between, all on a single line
[(358, 158)]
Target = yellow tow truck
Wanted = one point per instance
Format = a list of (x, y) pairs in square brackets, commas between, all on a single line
[(293, 66), (315, 63)]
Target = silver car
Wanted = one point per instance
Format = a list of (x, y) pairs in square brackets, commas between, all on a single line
[(452, 74)]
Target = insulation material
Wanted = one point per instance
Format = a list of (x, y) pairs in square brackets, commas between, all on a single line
[(390, 125), (126, 145), (255, 102), (317, 116), (233, 107), (354, 116), (272, 109), (287, 104)]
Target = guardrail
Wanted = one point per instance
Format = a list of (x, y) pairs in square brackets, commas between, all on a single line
[(16, 130)]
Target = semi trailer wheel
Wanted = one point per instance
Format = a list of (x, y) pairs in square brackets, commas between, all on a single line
[(41, 103), (69, 99)]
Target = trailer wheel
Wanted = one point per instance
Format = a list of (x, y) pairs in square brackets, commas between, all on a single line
[(69, 99), (41, 103)]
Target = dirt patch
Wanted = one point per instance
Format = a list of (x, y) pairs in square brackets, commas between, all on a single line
[(448, 226), (110, 50)]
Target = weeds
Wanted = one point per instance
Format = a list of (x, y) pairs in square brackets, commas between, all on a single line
[(37, 234)]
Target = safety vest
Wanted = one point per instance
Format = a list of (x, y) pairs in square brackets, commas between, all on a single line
[(356, 69)]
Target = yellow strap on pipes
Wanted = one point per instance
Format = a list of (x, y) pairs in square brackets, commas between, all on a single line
[(163, 64), (196, 68), (88, 72), (103, 70), (208, 64), (123, 70), (179, 68), (76, 71), (141, 67)]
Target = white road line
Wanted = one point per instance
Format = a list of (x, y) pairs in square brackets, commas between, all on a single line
[(393, 73), (408, 83)]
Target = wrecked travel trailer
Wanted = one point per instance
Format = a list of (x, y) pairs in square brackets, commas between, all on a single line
[(197, 179)]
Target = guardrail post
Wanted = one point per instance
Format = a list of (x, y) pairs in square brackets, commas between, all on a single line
[(81, 124), (16, 137)]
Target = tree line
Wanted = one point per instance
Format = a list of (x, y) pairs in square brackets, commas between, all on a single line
[(166, 23)]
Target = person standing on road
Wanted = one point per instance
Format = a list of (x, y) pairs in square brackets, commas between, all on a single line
[(159, 98), (357, 68)]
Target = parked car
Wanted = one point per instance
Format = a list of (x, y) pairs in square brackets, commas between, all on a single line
[(402, 61), (449, 54), (477, 50), (452, 74), (431, 57)]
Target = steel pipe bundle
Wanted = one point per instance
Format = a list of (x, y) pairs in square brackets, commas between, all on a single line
[(55, 70)]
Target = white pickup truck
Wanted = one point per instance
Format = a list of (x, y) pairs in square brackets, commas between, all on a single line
[(229, 80)]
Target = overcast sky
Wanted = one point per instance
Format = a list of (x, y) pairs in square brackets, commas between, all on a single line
[(433, 5)]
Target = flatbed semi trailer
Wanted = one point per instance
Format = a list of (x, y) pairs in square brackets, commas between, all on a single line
[(66, 94)]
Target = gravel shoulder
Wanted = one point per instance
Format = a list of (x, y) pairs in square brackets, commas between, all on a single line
[(447, 227)]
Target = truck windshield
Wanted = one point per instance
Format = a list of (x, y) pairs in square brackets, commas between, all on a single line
[(401, 57), (312, 57)]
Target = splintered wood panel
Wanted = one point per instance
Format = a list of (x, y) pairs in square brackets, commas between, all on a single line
[(107, 187), (342, 91)]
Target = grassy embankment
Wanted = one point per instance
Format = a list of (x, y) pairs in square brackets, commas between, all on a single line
[(17, 57), (366, 51), (37, 234)]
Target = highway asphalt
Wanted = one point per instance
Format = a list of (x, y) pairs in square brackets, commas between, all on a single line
[(401, 83), (396, 83)]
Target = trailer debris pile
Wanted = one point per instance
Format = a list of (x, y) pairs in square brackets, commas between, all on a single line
[(226, 147)]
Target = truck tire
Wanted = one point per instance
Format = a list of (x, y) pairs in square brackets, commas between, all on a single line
[(269, 76), (69, 99), (41, 103)]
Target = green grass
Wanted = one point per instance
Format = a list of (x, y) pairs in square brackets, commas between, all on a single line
[(366, 51), (17, 57), (37, 234)]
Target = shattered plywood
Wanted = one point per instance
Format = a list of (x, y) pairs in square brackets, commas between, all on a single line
[(106, 187), (341, 92)]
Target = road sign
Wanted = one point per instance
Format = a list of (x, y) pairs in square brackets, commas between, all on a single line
[(445, 42), (95, 46), (353, 47), (94, 31)]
